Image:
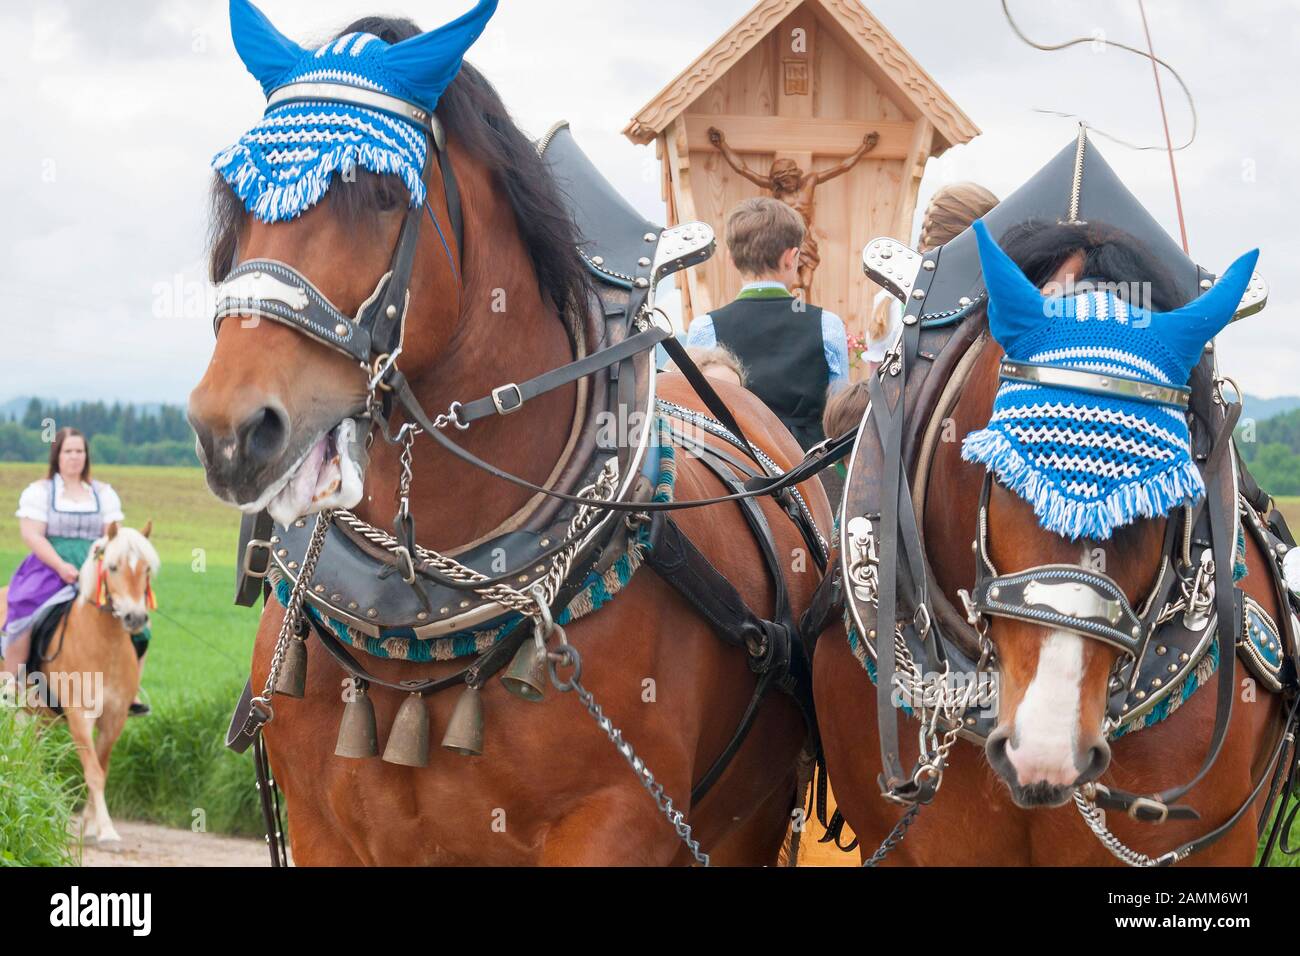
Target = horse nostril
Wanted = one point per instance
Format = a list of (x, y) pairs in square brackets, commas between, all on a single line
[(1095, 763), (996, 750), (263, 435)]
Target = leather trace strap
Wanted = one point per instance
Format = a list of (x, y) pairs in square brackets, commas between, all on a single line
[(712, 401), (899, 537), (813, 463), (509, 398), (774, 653), (1219, 497)]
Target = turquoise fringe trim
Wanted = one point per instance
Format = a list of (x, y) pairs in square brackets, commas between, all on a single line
[(1239, 569), (860, 652), (1198, 675), (1155, 495)]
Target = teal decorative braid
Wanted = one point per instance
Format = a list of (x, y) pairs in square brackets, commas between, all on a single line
[(598, 590), (859, 650), (1239, 569), (1176, 697)]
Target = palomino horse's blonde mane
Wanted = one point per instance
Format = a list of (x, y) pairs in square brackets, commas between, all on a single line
[(127, 545)]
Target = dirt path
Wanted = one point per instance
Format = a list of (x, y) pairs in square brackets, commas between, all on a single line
[(148, 844)]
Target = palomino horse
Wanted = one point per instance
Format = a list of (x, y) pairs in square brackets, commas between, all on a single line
[(89, 672), (1009, 805), (549, 789)]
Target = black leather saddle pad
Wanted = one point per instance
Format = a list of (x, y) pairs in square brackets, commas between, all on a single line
[(44, 631)]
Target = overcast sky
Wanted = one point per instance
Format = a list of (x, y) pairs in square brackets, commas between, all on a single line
[(114, 110)]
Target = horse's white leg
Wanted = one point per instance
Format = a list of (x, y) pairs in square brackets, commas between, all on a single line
[(96, 823)]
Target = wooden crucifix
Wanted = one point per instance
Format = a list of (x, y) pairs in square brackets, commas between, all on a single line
[(790, 184)]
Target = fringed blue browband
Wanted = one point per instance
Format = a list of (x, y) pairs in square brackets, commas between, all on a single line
[(1091, 463), (284, 165)]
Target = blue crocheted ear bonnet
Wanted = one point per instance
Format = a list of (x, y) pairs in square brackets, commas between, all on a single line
[(1092, 463), (283, 165)]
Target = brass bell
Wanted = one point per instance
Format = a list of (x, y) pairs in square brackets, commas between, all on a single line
[(465, 731), (526, 675), (357, 737), (291, 681), (408, 741)]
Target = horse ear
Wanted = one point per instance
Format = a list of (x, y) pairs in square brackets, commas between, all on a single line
[(267, 52), (1186, 330), (426, 64), (148, 528), (1015, 306), (111, 531)]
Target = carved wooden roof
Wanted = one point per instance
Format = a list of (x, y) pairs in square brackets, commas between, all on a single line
[(900, 76)]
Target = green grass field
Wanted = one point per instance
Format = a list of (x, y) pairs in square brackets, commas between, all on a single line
[(172, 763)]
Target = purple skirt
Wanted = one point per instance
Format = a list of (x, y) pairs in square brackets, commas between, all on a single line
[(34, 583)]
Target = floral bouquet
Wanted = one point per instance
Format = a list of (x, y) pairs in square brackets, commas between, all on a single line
[(857, 347)]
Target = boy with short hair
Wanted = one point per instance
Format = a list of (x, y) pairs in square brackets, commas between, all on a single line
[(791, 351)]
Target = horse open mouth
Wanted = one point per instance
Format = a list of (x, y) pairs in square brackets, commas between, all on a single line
[(329, 474)]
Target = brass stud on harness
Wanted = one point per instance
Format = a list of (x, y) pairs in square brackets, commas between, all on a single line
[(465, 730), (408, 741), (357, 737)]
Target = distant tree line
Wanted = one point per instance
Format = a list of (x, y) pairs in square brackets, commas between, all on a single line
[(119, 434), (129, 435), (1274, 455)]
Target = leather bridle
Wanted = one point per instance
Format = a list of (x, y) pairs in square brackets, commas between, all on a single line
[(275, 290)]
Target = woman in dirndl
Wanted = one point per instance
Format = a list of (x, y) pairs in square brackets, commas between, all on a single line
[(60, 517)]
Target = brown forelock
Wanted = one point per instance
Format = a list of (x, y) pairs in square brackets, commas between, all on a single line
[(128, 583)]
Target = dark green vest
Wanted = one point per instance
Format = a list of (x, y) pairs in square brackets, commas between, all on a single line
[(784, 356)]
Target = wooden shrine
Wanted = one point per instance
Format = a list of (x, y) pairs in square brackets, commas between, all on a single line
[(817, 104)]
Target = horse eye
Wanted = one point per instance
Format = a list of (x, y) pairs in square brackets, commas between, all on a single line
[(386, 197), (112, 567)]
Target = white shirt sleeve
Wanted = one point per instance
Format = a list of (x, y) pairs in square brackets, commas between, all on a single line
[(702, 334), (110, 505), (34, 503)]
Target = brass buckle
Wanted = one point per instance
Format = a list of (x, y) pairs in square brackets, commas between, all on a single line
[(405, 564), (1149, 804), (248, 558), (383, 364), (502, 390)]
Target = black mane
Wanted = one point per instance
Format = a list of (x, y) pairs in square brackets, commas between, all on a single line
[(472, 113), (1040, 248)]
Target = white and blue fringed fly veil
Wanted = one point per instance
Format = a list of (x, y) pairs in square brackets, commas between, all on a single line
[(1091, 463), (283, 165)]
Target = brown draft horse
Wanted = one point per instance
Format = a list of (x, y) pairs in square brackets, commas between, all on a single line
[(93, 674), (973, 820), (550, 789)]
